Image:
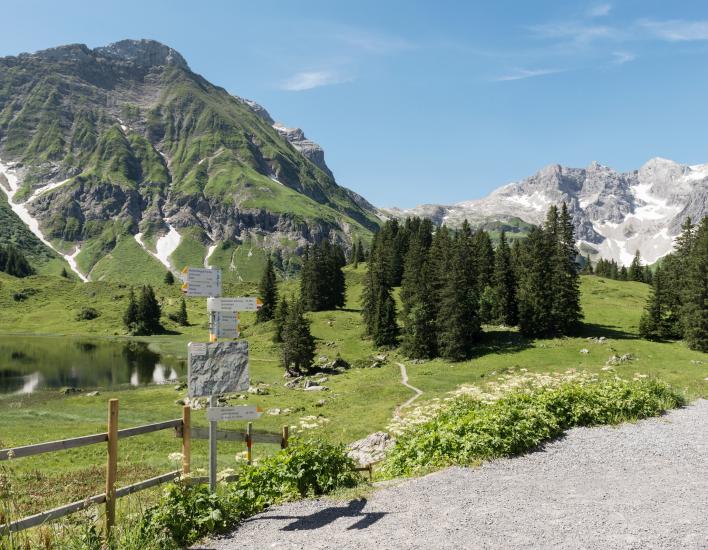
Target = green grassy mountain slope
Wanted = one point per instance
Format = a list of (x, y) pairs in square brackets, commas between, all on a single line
[(126, 139)]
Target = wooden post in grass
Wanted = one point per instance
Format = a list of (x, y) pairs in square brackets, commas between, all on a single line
[(112, 465), (186, 439), (249, 442), (286, 436)]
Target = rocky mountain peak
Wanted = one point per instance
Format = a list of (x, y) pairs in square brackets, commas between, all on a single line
[(146, 53)]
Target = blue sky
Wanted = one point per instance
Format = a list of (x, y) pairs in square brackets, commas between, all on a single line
[(435, 101)]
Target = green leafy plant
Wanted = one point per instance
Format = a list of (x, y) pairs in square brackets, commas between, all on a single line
[(469, 431)]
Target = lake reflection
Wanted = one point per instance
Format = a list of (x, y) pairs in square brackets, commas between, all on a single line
[(31, 363)]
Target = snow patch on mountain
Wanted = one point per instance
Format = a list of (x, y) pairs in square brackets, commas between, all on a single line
[(164, 246), (210, 251), (32, 224)]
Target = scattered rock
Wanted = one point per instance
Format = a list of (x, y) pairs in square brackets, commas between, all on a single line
[(181, 386), (93, 393), (257, 390), (292, 384), (316, 388), (70, 390), (273, 412), (381, 358), (585, 351), (598, 340), (242, 396), (618, 359), (321, 403), (376, 365), (371, 449), (322, 380)]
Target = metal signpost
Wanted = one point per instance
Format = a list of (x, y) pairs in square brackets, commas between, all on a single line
[(218, 367)]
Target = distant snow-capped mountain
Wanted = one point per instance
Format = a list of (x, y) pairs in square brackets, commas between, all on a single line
[(615, 214)]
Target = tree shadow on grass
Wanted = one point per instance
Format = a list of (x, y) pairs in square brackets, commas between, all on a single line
[(594, 330), (322, 518), (500, 341)]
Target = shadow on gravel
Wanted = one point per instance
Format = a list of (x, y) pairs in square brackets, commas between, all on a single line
[(355, 509)]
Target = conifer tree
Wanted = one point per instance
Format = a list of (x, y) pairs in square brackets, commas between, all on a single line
[(169, 278), (418, 312), (636, 272), (14, 263), (64, 273), (652, 324), (458, 324), (385, 326), (130, 317), (360, 252), (181, 316), (355, 255), (567, 312), (483, 252), (281, 318), (298, 349), (504, 310), (695, 294), (149, 311), (268, 291), (535, 294), (623, 274)]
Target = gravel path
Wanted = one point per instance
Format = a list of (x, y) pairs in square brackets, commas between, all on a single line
[(404, 381), (635, 486)]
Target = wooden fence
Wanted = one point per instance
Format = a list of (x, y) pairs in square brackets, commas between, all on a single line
[(183, 430)]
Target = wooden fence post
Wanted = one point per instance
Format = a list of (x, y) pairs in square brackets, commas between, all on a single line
[(186, 439), (286, 436), (112, 465), (249, 442)]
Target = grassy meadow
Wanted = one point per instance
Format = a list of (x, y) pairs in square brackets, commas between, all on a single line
[(360, 401)]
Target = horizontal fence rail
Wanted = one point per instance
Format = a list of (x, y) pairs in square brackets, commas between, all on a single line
[(182, 428)]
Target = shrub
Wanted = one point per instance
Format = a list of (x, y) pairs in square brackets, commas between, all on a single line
[(187, 513), (87, 314), (469, 431)]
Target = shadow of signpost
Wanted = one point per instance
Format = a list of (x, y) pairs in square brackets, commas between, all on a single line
[(354, 509)]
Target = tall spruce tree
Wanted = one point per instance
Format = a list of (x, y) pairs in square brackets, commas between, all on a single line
[(268, 291), (652, 324), (385, 326), (149, 312), (281, 318), (418, 311), (504, 310), (567, 312), (535, 291), (181, 316), (483, 252), (458, 323), (298, 349)]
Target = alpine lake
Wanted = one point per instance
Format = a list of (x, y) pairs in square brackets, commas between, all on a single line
[(30, 364)]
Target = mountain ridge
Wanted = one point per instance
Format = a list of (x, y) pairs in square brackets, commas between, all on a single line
[(125, 142), (614, 213)]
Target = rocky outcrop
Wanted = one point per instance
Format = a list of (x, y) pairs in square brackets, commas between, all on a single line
[(309, 149)]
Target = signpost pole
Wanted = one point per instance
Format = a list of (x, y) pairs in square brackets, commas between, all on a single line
[(212, 448)]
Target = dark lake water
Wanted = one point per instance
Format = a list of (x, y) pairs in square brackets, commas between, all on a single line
[(31, 363)]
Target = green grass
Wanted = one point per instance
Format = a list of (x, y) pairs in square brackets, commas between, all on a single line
[(126, 258), (359, 402)]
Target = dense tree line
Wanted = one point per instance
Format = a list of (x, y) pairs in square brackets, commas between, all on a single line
[(678, 304), (453, 281), (13, 262), (610, 269), (322, 282)]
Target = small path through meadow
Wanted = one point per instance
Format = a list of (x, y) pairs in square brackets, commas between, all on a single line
[(404, 381), (633, 486)]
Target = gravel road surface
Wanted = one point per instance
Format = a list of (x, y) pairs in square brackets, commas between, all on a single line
[(635, 486)]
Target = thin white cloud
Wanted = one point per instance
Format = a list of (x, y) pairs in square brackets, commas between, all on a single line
[(620, 58), (599, 10), (307, 80), (522, 74), (677, 30), (573, 31)]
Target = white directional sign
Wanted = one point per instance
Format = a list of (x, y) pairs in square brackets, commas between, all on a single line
[(201, 282), (233, 304), (225, 324), (217, 414)]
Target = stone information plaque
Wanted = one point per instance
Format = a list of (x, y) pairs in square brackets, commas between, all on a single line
[(217, 368)]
